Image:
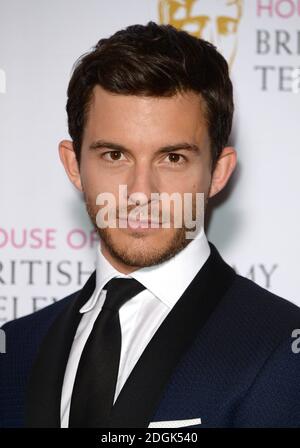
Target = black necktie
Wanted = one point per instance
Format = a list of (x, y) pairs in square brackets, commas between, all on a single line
[(97, 373)]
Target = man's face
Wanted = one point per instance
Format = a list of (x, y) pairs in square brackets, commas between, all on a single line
[(140, 127)]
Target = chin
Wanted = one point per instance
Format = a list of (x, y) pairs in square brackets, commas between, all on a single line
[(139, 250)]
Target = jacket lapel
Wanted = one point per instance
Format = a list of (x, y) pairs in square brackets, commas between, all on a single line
[(140, 396), (143, 389), (42, 408)]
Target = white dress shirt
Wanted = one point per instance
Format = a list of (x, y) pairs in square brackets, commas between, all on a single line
[(140, 316)]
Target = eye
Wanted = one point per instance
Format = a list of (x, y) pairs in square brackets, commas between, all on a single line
[(176, 159), (227, 25), (195, 24), (112, 156)]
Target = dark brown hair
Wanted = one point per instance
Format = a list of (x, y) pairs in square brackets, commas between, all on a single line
[(153, 60)]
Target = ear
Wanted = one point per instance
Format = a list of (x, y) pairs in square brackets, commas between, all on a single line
[(224, 168), (68, 158)]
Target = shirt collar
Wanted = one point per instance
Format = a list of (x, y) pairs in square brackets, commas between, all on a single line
[(167, 280)]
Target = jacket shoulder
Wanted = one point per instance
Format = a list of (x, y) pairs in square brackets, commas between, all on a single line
[(261, 302), (23, 338), (25, 334), (38, 319)]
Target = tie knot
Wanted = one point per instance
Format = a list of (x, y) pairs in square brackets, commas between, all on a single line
[(119, 290)]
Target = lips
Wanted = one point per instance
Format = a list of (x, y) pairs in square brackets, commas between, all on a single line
[(140, 221)]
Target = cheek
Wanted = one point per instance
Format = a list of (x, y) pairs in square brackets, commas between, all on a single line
[(92, 181), (93, 178), (198, 180)]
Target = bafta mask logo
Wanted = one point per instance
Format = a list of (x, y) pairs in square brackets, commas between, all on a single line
[(214, 20)]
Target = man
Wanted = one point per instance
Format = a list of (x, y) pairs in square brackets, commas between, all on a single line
[(164, 333)]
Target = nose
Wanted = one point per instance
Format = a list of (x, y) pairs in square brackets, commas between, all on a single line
[(142, 182)]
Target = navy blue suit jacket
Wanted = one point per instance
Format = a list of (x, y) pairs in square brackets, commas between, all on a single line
[(223, 354)]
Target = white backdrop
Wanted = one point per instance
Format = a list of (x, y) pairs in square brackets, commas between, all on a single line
[(47, 243)]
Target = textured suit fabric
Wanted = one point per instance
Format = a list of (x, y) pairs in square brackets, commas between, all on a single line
[(23, 338), (241, 371)]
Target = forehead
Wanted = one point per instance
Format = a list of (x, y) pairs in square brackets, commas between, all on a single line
[(143, 117), (104, 103)]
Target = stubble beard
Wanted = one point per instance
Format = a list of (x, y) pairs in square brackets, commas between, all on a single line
[(137, 251)]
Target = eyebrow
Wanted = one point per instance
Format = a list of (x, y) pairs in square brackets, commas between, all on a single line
[(164, 149)]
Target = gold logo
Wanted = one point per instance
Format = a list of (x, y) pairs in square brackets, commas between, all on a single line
[(214, 20)]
